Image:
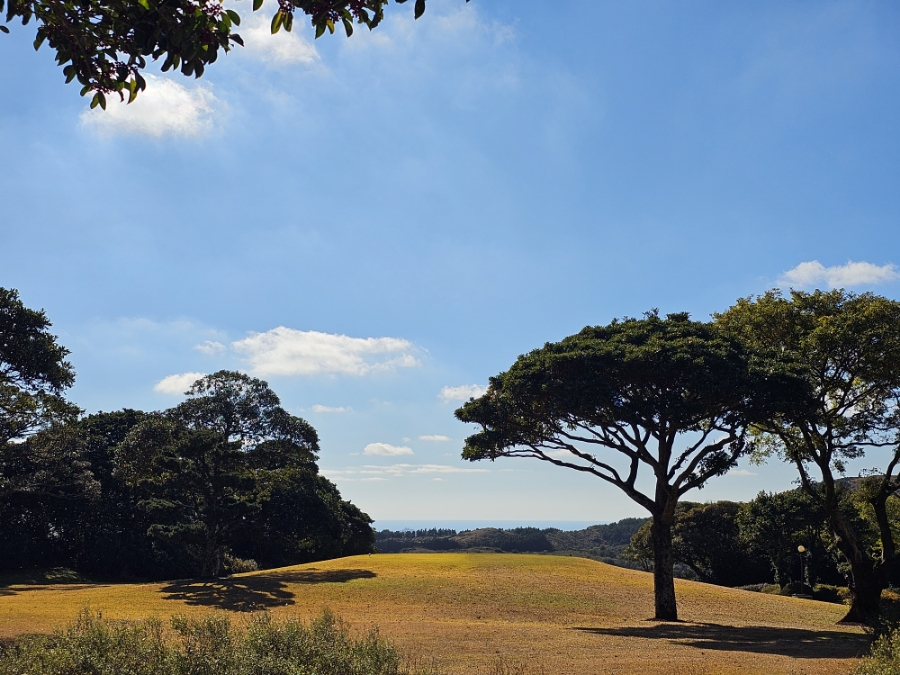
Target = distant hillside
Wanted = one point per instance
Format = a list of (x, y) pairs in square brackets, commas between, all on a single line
[(601, 542)]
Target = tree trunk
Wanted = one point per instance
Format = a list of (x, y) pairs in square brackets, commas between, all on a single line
[(213, 554), (663, 572), (867, 581), (865, 589)]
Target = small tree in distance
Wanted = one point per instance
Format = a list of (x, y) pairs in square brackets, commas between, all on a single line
[(658, 402)]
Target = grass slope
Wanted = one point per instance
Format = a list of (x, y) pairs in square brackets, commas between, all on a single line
[(540, 614)]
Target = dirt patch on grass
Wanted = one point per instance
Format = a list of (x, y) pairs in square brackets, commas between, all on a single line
[(483, 613)]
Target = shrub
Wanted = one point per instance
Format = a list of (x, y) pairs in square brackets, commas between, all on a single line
[(884, 658), (234, 565), (209, 645), (837, 594)]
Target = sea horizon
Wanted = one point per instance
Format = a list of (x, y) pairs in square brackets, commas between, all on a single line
[(460, 525)]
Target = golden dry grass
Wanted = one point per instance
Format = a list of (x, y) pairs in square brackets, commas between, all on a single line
[(467, 612)]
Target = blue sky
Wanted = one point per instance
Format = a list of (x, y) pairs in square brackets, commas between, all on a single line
[(376, 225)]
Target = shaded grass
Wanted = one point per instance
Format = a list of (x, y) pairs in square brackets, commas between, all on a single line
[(467, 613)]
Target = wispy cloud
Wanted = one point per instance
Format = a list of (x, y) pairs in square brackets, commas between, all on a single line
[(741, 472), (386, 450), (285, 351), (398, 471), (283, 48), (813, 273), (210, 347), (435, 438), (165, 108), (330, 409), (462, 393), (176, 385)]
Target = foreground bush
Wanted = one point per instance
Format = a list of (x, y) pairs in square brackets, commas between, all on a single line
[(211, 645), (884, 658)]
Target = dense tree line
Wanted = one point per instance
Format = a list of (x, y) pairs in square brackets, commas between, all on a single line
[(225, 480), (603, 542)]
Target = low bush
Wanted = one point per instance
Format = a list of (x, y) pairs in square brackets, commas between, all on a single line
[(771, 589), (209, 645), (234, 565), (884, 657), (836, 594)]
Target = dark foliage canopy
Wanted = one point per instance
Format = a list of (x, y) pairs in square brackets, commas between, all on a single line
[(106, 44), (33, 371), (634, 387), (227, 474)]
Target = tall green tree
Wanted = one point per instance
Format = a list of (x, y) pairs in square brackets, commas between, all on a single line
[(198, 489), (847, 348), (668, 399), (230, 469), (34, 372), (40, 463), (106, 44), (192, 462)]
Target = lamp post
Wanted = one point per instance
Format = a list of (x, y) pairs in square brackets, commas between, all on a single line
[(801, 549)]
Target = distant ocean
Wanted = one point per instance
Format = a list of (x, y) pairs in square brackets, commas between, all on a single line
[(460, 525)]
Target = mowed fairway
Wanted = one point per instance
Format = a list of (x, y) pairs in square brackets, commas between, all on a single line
[(547, 614)]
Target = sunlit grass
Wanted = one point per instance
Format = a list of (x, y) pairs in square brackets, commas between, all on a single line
[(471, 612)]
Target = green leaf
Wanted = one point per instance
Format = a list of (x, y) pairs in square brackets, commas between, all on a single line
[(144, 4), (348, 27), (38, 41), (95, 101), (257, 4), (330, 25), (320, 30), (85, 89), (4, 29), (234, 16), (277, 20), (420, 8)]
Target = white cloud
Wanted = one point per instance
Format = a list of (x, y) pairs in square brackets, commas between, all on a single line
[(461, 393), (164, 108), (560, 454), (386, 450), (177, 384), (210, 347), (741, 472), (280, 49), (812, 273), (437, 438), (397, 471), (330, 409), (285, 351)]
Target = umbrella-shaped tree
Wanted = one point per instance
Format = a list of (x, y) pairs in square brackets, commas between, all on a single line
[(654, 406)]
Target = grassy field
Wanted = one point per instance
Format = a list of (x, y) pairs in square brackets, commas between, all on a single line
[(483, 613)]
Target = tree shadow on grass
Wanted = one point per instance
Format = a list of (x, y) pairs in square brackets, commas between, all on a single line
[(797, 643), (246, 594), (13, 583)]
